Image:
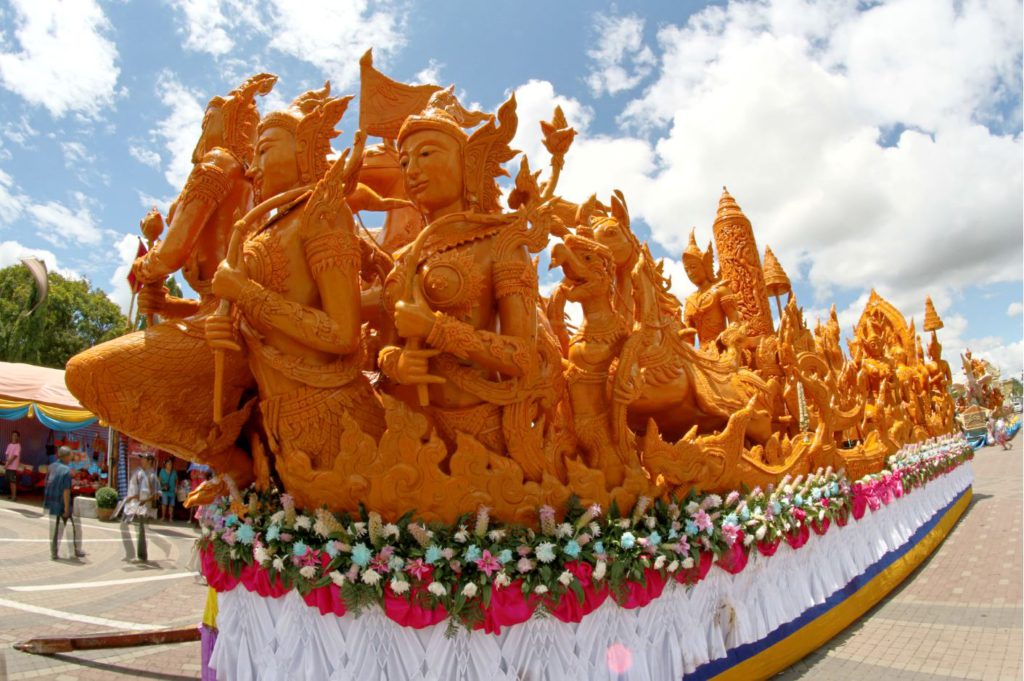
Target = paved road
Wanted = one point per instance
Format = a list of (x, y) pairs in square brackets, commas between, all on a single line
[(958, 617)]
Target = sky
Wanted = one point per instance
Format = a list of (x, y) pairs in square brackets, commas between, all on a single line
[(871, 144)]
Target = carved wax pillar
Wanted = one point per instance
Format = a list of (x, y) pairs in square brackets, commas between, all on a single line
[(741, 265)]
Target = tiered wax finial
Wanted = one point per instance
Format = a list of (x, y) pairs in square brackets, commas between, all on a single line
[(775, 279), (931, 317), (740, 265)]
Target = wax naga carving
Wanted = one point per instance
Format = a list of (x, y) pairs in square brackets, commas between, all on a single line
[(418, 367)]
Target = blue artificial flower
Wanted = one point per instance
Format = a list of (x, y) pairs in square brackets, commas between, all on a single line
[(433, 554), (572, 549), (672, 534), (798, 500), (505, 556), (834, 488), (361, 555), (299, 548), (816, 493), (245, 534), (691, 528), (731, 519), (396, 563), (471, 553), (599, 547), (231, 520), (654, 538), (272, 532), (776, 507), (627, 541), (330, 549), (745, 514)]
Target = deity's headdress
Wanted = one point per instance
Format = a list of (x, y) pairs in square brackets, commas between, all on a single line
[(705, 259), (310, 119), (241, 116), (483, 151)]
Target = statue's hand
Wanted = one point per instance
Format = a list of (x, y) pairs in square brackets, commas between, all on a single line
[(413, 319), (228, 282), (413, 367), (152, 299), (220, 333)]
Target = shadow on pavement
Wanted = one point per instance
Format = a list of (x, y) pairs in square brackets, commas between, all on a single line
[(117, 669)]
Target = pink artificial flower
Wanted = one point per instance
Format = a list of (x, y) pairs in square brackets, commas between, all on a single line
[(799, 514), (730, 533), (702, 519), (733, 497), (418, 569), (683, 547), (488, 563)]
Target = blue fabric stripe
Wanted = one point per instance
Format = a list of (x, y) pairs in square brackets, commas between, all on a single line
[(748, 650)]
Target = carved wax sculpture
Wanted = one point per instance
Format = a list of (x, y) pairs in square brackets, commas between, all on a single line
[(136, 383), (713, 305), (420, 369)]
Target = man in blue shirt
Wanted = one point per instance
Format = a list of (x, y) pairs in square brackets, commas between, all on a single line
[(57, 501)]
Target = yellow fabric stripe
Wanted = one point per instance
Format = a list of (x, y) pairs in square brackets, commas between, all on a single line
[(210, 613), (816, 633), (62, 414), (9, 404)]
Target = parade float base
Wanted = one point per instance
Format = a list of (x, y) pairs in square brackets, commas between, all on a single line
[(744, 626)]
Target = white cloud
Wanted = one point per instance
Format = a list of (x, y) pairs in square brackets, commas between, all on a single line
[(11, 253), (328, 34), (12, 203), (1014, 309), (621, 59), (66, 62), (75, 153), (430, 75), (57, 223), (180, 129), (20, 132), (145, 156)]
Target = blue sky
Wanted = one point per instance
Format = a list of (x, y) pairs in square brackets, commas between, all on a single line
[(870, 143)]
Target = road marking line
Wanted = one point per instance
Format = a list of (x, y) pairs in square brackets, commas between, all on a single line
[(107, 582), (73, 617), (47, 541)]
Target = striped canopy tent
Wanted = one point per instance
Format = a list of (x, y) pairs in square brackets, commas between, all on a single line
[(39, 392)]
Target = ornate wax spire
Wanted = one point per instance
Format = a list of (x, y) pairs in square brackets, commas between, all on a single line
[(740, 264), (775, 279), (932, 322)]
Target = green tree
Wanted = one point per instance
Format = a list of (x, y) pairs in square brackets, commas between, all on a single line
[(73, 317)]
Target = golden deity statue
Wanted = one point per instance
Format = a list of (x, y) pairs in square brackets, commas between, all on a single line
[(418, 367), (136, 382), (713, 306)]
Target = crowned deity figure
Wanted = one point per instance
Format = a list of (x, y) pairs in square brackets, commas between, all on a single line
[(136, 382), (712, 306), (293, 278), (468, 349)]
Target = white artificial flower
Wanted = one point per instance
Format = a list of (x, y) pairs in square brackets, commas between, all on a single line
[(496, 535), (462, 536), (659, 562), (260, 555), (692, 507), (469, 590), (338, 578), (501, 579), (564, 530), (370, 577), (747, 540), (565, 579), (391, 530), (599, 570), (673, 566), (206, 531), (624, 523), (761, 531), (278, 564), (687, 563), (540, 589), (303, 522), (308, 571), (437, 589), (360, 528), (595, 529), (276, 518), (651, 522), (399, 586)]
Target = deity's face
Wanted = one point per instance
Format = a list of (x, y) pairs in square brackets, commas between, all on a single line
[(694, 270), (432, 167), (275, 168), (212, 135), (612, 236)]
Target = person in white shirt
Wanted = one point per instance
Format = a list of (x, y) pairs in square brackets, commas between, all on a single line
[(139, 507)]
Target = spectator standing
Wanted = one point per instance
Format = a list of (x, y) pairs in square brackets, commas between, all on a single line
[(57, 501), (168, 489), (12, 462), (139, 506)]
